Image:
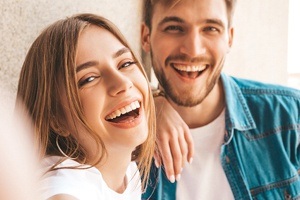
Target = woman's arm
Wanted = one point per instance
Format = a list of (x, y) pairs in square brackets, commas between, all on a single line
[(174, 140), (62, 197)]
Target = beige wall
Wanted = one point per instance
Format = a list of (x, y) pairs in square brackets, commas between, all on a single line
[(22, 20), (259, 50), (261, 40)]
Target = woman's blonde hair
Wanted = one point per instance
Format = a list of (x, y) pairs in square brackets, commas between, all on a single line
[(48, 69)]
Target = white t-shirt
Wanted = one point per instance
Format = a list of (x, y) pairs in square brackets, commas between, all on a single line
[(205, 177), (86, 184)]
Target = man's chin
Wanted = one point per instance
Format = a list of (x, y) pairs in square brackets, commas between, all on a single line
[(184, 100)]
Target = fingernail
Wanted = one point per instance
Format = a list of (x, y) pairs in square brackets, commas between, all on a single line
[(156, 164), (178, 176), (172, 179), (191, 160)]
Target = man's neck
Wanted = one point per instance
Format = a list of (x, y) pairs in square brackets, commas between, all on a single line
[(204, 113)]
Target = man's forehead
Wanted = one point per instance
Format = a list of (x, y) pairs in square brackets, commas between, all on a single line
[(171, 3), (176, 3), (165, 2), (163, 6), (167, 6), (168, 3), (185, 10)]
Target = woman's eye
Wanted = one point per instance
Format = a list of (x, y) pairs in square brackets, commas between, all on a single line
[(127, 64), (87, 80)]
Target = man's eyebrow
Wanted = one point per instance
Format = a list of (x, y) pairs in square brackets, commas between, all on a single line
[(93, 63), (170, 19), (215, 21), (180, 20)]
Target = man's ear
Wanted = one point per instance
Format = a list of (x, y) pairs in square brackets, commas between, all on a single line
[(230, 35), (145, 37)]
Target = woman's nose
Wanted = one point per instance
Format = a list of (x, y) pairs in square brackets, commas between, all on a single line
[(118, 83)]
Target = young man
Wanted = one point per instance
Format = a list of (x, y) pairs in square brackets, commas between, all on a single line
[(246, 134)]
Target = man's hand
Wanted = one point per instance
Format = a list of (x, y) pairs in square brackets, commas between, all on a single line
[(174, 140)]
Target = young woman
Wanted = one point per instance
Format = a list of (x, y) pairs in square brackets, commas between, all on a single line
[(90, 103)]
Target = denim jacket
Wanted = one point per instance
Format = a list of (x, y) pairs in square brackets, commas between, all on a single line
[(261, 150)]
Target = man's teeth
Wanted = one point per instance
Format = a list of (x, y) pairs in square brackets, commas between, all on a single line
[(134, 105), (188, 68)]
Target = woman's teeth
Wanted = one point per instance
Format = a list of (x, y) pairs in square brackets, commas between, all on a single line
[(134, 105)]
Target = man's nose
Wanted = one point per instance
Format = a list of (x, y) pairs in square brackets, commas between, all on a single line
[(193, 44)]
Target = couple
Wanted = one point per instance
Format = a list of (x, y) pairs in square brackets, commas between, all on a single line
[(91, 106)]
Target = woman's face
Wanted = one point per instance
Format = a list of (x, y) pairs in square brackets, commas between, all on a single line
[(112, 90)]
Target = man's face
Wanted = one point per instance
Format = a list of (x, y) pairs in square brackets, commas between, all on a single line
[(188, 43)]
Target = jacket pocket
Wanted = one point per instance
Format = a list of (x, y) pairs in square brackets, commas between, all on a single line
[(281, 190)]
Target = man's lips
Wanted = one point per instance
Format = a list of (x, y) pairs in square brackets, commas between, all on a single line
[(126, 113), (189, 71)]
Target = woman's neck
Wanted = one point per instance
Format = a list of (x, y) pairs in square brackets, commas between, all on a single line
[(113, 171)]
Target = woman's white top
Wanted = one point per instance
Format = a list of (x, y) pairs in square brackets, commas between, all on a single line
[(86, 184)]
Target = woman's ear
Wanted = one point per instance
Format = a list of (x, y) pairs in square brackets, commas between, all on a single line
[(58, 128), (145, 37)]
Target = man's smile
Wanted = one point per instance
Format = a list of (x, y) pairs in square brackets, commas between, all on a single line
[(189, 71)]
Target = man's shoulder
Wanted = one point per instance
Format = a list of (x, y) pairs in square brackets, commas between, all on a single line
[(253, 87)]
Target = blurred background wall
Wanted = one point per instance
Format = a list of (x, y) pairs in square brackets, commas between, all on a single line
[(260, 47), (260, 43), (21, 21)]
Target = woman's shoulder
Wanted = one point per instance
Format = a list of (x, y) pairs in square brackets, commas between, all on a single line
[(133, 190), (66, 180)]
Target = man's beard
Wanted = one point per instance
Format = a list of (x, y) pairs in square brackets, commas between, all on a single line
[(186, 98)]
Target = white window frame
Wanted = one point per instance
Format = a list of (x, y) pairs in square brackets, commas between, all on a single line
[(294, 44)]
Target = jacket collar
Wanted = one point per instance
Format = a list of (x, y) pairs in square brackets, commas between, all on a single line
[(237, 115)]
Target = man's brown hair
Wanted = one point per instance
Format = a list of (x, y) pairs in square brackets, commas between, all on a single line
[(148, 7)]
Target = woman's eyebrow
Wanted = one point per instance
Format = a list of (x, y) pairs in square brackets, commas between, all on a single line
[(93, 63), (86, 65), (120, 52)]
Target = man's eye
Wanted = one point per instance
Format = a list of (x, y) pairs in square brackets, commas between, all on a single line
[(211, 29), (127, 64), (173, 29), (87, 80)]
